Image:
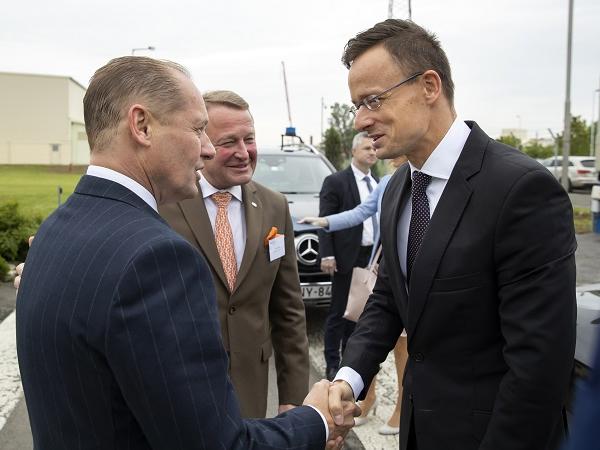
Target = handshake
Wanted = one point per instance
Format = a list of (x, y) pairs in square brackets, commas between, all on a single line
[(336, 402)]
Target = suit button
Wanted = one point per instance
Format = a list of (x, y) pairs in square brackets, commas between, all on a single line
[(232, 310), (418, 357)]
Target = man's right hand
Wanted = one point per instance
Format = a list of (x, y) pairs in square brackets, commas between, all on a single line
[(319, 397), (340, 394), (328, 266)]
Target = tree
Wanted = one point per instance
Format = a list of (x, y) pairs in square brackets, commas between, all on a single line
[(537, 150), (342, 120), (580, 137), (332, 146), (511, 140)]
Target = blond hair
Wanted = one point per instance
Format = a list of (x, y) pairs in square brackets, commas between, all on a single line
[(225, 98)]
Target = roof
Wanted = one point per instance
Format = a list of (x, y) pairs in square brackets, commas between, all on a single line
[(45, 76)]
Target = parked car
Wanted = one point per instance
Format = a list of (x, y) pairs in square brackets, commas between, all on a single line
[(582, 170), (298, 171)]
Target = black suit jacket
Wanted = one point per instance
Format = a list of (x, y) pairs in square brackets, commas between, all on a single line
[(119, 341), (340, 193), (491, 311)]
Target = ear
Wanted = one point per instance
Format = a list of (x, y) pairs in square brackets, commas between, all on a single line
[(432, 84), (138, 121)]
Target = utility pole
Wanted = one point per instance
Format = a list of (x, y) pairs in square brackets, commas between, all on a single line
[(597, 133), (567, 128), (555, 147), (391, 9), (322, 109), (592, 128)]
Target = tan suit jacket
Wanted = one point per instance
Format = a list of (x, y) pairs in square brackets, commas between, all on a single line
[(265, 310)]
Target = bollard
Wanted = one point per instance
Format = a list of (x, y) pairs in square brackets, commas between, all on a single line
[(596, 209)]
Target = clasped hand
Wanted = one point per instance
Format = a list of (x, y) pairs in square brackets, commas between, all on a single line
[(336, 402)]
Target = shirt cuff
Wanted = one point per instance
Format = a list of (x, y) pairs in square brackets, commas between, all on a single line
[(351, 377), (324, 422), (327, 258)]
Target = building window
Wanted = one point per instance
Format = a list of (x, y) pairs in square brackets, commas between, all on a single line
[(55, 147)]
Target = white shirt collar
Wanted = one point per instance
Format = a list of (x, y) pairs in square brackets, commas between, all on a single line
[(442, 160), (208, 189), (359, 174), (125, 181)]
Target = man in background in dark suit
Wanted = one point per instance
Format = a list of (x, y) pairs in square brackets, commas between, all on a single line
[(118, 333), (263, 311), (478, 262), (343, 250)]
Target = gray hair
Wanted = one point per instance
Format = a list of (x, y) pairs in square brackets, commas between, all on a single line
[(358, 138)]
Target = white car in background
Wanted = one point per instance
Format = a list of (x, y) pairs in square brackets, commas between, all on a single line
[(582, 170)]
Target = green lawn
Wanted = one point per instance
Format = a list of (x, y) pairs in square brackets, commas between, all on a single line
[(35, 187), (583, 220)]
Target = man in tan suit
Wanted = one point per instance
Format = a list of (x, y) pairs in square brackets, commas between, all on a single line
[(260, 302)]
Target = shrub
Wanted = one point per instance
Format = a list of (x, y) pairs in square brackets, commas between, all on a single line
[(15, 229), (4, 269)]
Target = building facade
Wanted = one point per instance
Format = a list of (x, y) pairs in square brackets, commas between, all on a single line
[(41, 120)]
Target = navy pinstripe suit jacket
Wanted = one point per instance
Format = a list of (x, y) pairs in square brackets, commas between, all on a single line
[(118, 337)]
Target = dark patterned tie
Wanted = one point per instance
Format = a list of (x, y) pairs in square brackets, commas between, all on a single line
[(367, 180), (419, 219)]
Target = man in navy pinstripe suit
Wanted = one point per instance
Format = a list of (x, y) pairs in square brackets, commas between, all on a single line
[(117, 328)]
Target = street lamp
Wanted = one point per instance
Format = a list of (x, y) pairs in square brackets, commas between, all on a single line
[(150, 47)]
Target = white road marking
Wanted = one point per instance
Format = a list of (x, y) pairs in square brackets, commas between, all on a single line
[(11, 390)]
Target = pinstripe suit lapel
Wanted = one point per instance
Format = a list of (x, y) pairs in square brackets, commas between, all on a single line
[(253, 213), (195, 214), (101, 187)]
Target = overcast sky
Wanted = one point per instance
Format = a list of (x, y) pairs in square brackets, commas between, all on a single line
[(508, 57)]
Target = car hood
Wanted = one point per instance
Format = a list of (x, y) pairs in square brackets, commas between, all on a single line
[(302, 205)]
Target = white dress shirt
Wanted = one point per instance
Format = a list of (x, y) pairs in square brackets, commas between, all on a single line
[(235, 214), (363, 192), (439, 166), (125, 181)]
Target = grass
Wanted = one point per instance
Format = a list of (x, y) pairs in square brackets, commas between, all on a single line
[(35, 187), (583, 220)]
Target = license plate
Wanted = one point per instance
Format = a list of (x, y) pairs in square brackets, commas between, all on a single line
[(316, 291)]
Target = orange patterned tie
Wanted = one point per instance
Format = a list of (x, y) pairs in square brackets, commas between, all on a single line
[(224, 237)]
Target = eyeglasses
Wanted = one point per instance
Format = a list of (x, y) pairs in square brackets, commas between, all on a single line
[(373, 102)]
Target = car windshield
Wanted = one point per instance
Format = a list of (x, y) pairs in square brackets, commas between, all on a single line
[(291, 174)]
